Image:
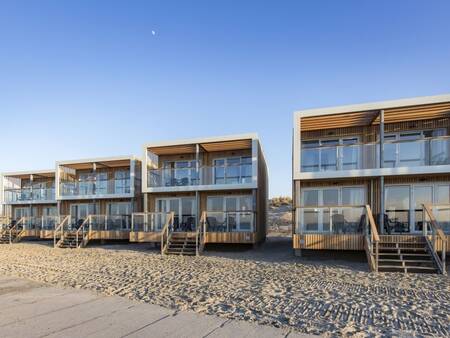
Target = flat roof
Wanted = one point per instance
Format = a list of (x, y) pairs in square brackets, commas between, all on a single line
[(98, 159), (253, 136), (26, 173), (367, 107)]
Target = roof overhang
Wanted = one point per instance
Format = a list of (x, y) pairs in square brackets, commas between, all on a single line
[(50, 173), (223, 143), (104, 162), (422, 108)]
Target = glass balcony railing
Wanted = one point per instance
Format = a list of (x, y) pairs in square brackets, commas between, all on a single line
[(344, 157), (230, 221), (149, 221), (405, 153), (29, 195), (99, 187), (331, 220), (207, 175)]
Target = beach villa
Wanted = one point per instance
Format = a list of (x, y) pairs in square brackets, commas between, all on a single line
[(96, 198), (375, 177), (214, 189), (29, 204)]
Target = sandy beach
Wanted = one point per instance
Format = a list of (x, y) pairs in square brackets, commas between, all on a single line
[(267, 285)]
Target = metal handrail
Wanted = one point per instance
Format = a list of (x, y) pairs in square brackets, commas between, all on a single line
[(436, 235)]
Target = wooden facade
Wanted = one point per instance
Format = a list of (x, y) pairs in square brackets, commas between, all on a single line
[(364, 123), (206, 151)]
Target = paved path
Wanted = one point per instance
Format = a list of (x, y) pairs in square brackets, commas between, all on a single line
[(29, 309)]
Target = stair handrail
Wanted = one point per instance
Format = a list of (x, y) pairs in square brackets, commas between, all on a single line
[(14, 229), (84, 234), (60, 229), (165, 232), (372, 239), (200, 235), (437, 234)]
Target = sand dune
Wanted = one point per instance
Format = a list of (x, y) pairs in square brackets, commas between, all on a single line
[(332, 299)]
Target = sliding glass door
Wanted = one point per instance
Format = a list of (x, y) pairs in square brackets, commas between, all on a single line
[(230, 213), (184, 209), (331, 209), (404, 205)]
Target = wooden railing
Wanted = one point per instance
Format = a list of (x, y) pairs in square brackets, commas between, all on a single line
[(59, 230), (437, 237), (200, 235), (166, 233), (82, 234), (371, 240), (15, 231)]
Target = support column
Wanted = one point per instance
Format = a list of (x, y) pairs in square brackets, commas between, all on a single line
[(382, 207), (31, 196), (145, 202)]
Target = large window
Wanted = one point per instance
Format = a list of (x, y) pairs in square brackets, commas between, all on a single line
[(404, 206), (122, 182), (230, 213), (415, 148), (233, 170), (332, 209), (330, 154)]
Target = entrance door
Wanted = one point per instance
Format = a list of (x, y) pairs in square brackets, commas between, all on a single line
[(79, 212), (21, 212), (421, 194), (231, 213), (119, 215), (184, 209)]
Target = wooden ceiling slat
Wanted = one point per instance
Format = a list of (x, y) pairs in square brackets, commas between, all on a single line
[(391, 115)]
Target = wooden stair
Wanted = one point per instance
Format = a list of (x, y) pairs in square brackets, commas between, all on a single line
[(5, 238), (181, 243), (404, 256), (68, 240)]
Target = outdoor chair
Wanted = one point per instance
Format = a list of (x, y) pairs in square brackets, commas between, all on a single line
[(339, 223)]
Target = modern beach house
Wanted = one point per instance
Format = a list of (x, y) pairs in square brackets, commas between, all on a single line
[(375, 177), (29, 204), (214, 189), (96, 198)]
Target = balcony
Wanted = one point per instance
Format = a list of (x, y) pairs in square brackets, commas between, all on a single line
[(29, 195), (397, 154), (94, 188), (331, 220), (230, 221), (206, 175)]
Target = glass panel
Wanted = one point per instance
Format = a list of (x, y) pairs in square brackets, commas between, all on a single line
[(411, 153), (246, 203), (440, 151), (442, 214), (310, 160), (350, 157), (215, 203), (330, 197), (397, 209), (328, 159), (422, 195), (353, 196), (311, 219), (310, 198), (188, 209)]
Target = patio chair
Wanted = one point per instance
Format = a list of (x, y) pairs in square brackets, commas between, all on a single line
[(339, 223)]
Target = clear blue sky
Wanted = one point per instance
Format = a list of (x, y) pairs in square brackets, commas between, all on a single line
[(85, 79)]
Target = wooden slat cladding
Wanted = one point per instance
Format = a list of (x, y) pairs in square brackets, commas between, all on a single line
[(46, 234), (145, 237), (328, 242), (100, 164), (231, 237), (338, 120), (366, 118), (109, 235), (370, 133), (208, 147)]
